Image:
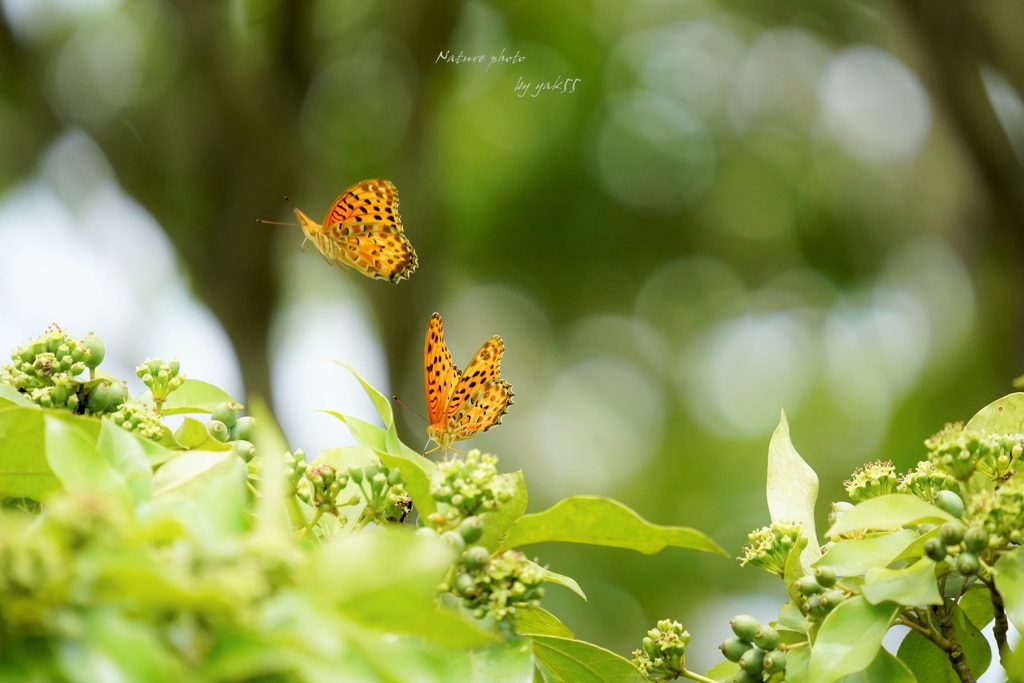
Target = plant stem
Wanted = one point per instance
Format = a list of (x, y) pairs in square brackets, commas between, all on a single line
[(1001, 626), (696, 677), (949, 643)]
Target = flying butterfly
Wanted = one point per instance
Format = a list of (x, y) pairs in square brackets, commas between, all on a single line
[(363, 230), (462, 404)]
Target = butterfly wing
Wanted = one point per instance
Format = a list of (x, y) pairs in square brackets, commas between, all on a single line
[(480, 397), (440, 374), (479, 410), (362, 229)]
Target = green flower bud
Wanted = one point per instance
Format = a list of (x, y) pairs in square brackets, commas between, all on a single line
[(752, 661), (968, 564), (766, 638), (825, 576), (808, 585), (733, 648), (106, 398), (949, 502), (935, 549), (775, 662), (951, 533), (244, 449), (94, 350), (976, 539), (218, 430), (745, 626), (227, 413), (394, 477), (476, 557), (244, 428), (454, 539), (472, 529), (831, 598), (465, 585)]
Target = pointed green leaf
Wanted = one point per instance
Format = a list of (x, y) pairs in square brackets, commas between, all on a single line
[(888, 513), (508, 662), (128, 455), (977, 606), (578, 662), (530, 620), (913, 586), (72, 453), (190, 471), (606, 522), (275, 513), (192, 434), (795, 569), (560, 579), (849, 639), (854, 556), (1002, 416), (1010, 584), (792, 489)]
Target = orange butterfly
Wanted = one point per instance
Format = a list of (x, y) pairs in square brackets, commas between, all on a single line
[(362, 229), (462, 404)]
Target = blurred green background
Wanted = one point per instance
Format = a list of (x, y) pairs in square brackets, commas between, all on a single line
[(739, 208)]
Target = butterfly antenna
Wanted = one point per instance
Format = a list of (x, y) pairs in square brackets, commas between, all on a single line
[(260, 220), (406, 406)]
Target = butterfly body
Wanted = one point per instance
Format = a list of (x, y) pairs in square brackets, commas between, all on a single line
[(363, 230), (463, 404)]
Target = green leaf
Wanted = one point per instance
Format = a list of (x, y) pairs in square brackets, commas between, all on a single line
[(887, 513), (192, 434), (498, 522), (574, 661), (886, 668), (725, 671), (792, 489), (854, 556), (794, 569), (73, 456), (383, 406), (602, 521), (9, 396), (1010, 584), (530, 620), (797, 661), (417, 472), (508, 662), (128, 455), (24, 470), (977, 605), (135, 650), (386, 581), (849, 639), (184, 475), (274, 517), (560, 579), (912, 586), (193, 396), (928, 661), (1002, 416)]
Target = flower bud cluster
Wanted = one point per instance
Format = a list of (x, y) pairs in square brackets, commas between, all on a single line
[(999, 513), (383, 491), (819, 593), (663, 655), (871, 481), (962, 452), (467, 487), (493, 586), (324, 485), (140, 419), (46, 369), (770, 546), (926, 481), (755, 648), (962, 547), (160, 377)]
